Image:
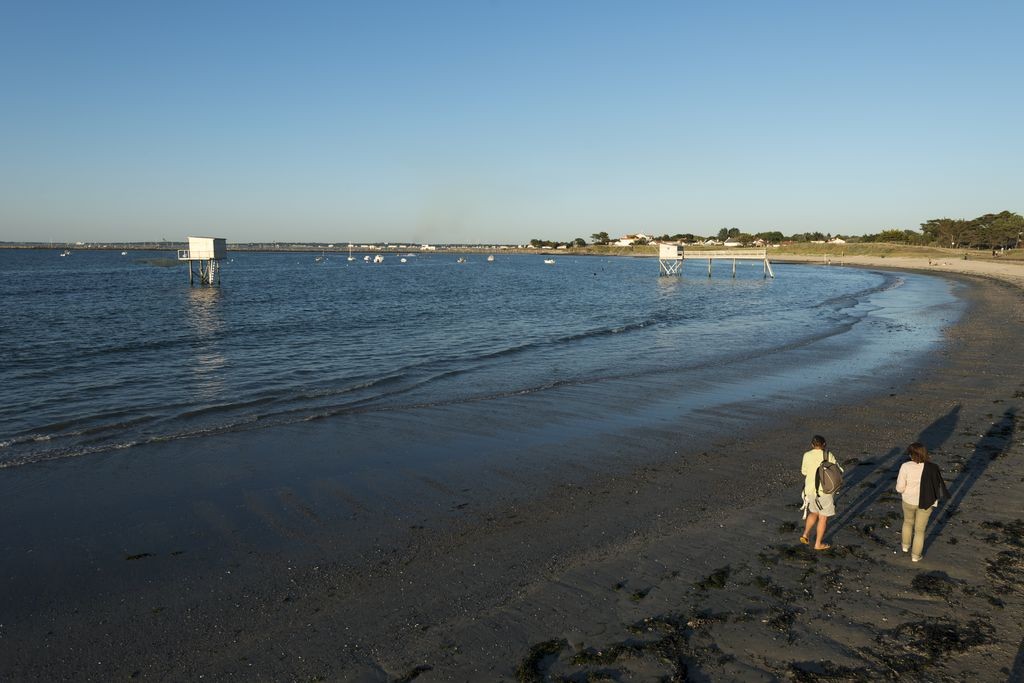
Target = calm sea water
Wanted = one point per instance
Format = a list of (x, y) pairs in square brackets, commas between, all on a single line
[(101, 351)]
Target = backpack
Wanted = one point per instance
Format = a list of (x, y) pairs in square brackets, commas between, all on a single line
[(828, 477)]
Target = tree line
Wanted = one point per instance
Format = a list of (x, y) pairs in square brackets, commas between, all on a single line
[(990, 231), (1002, 230)]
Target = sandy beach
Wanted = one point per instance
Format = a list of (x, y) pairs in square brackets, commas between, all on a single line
[(686, 567)]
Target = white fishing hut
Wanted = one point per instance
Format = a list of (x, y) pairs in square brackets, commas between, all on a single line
[(204, 255), (671, 257)]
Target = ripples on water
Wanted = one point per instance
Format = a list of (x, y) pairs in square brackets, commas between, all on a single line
[(102, 351)]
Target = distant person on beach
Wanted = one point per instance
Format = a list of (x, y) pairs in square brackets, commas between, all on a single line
[(920, 481), (818, 506)]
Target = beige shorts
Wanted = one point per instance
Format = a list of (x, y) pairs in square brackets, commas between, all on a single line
[(823, 505)]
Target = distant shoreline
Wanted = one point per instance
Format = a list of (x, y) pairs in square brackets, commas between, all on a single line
[(866, 253)]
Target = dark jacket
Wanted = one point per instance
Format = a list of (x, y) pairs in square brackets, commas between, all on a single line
[(932, 486)]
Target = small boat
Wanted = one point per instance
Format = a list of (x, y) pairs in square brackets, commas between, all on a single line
[(549, 261), (321, 258), (490, 258), (66, 252), (379, 258), (460, 260), (350, 256), (403, 260), (124, 253), (366, 258)]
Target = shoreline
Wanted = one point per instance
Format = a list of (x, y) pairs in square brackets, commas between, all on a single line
[(490, 595)]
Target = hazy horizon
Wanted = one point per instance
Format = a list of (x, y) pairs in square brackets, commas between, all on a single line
[(501, 122)]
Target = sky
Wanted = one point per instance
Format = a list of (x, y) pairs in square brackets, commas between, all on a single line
[(503, 121)]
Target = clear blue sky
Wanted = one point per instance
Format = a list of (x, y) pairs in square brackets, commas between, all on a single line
[(502, 121)]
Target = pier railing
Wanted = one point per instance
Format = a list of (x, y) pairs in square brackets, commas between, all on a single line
[(671, 258), (757, 254)]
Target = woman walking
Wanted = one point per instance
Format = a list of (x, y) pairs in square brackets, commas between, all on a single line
[(818, 506), (920, 482)]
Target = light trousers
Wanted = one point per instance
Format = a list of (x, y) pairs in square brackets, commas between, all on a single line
[(914, 522)]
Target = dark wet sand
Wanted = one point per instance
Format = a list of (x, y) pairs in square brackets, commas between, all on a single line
[(602, 575)]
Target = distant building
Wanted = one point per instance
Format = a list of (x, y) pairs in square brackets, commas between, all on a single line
[(630, 240)]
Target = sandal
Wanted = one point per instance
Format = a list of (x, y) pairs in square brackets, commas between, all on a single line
[(803, 539), (824, 546)]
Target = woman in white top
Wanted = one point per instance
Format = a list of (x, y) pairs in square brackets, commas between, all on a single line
[(908, 483)]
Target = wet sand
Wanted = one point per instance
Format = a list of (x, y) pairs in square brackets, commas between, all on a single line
[(601, 575)]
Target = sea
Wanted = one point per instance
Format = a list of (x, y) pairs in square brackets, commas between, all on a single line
[(102, 351)]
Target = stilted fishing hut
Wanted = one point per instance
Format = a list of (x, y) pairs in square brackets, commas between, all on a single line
[(204, 255), (670, 259)]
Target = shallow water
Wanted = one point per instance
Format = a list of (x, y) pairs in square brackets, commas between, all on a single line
[(100, 351)]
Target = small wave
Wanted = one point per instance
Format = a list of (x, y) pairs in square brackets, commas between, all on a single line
[(224, 408), (571, 338)]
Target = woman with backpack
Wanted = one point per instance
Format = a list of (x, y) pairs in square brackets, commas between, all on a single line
[(818, 506), (920, 481)]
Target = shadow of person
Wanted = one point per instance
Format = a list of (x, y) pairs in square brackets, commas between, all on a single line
[(995, 442), (853, 505)]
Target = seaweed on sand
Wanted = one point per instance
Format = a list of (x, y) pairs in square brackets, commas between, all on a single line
[(934, 583), (531, 669), (769, 587), (790, 553), (788, 527), (782, 618), (414, 673), (809, 672), (639, 594), (672, 648), (1013, 532), (916, 645), (607, 655), (715, 579), (1007, 566), (868, 531)]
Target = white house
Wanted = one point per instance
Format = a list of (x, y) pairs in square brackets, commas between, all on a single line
[(629, 240), (731, 242)]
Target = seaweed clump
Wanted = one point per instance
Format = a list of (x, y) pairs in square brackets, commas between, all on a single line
[(414, 673), (809, 672), (915, 645), (1007, 566), (934, 583), (531, 669), (715, 579)]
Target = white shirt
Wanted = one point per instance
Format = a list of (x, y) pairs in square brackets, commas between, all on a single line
[(908, 482)]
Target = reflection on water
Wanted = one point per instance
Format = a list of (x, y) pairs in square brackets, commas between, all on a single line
[(206, 319)]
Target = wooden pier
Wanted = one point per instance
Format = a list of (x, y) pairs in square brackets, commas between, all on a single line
[(671, 258)]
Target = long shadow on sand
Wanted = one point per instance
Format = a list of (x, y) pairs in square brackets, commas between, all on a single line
[(995, 442), (933, 436), (1017, 673)]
